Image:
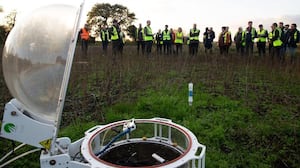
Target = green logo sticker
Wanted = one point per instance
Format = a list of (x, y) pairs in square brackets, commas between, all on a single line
[(9, 128)]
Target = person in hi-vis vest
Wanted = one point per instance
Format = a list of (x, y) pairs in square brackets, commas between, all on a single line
[(114, 32), (105, 38), (194, 40), (148, 37), (276, 41), (84, 36), (262, 35)]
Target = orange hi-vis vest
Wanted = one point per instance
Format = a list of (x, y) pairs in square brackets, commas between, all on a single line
[(84, 34)]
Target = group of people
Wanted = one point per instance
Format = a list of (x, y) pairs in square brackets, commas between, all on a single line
[(168, 41), (113, 35), (280, 39)]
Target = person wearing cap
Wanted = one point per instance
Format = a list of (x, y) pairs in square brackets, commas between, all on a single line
[(262, 35), (250, 35), (115, 37), (293, 39), (148, 37), (166, 34)]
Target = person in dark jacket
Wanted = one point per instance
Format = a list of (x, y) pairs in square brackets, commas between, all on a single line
[(140, 39), (122, 42), (239, 39), (221, 43), (213, 34), (293, 39), (104, 35), (159, 42), (284, 38), (250, 35), (208, 38)]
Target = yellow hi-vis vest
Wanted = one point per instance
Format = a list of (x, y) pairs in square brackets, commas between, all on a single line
[(148, 36), (270, 36), (179, 38), (227, 38), (166, 35), (104, 34), (277, 42), (115, 35), (195, 37), (252, 33), (296, 35), (261, 33), (243, 41)]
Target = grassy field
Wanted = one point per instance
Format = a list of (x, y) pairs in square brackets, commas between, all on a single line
[(245, 110)]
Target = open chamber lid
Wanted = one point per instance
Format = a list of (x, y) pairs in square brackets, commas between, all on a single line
[(37, 56)]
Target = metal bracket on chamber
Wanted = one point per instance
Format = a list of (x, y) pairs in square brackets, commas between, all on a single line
[(19, 126)]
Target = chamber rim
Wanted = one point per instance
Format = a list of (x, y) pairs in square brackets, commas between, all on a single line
[(187, 155)]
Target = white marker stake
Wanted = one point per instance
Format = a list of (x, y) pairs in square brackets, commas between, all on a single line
[(190, 99)]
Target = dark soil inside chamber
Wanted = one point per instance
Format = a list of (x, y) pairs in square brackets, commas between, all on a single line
[(139, 154)]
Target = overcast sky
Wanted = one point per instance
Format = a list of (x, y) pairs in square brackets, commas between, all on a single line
[(179, 13)]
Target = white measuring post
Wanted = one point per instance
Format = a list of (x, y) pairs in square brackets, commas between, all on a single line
[(190, 98)]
